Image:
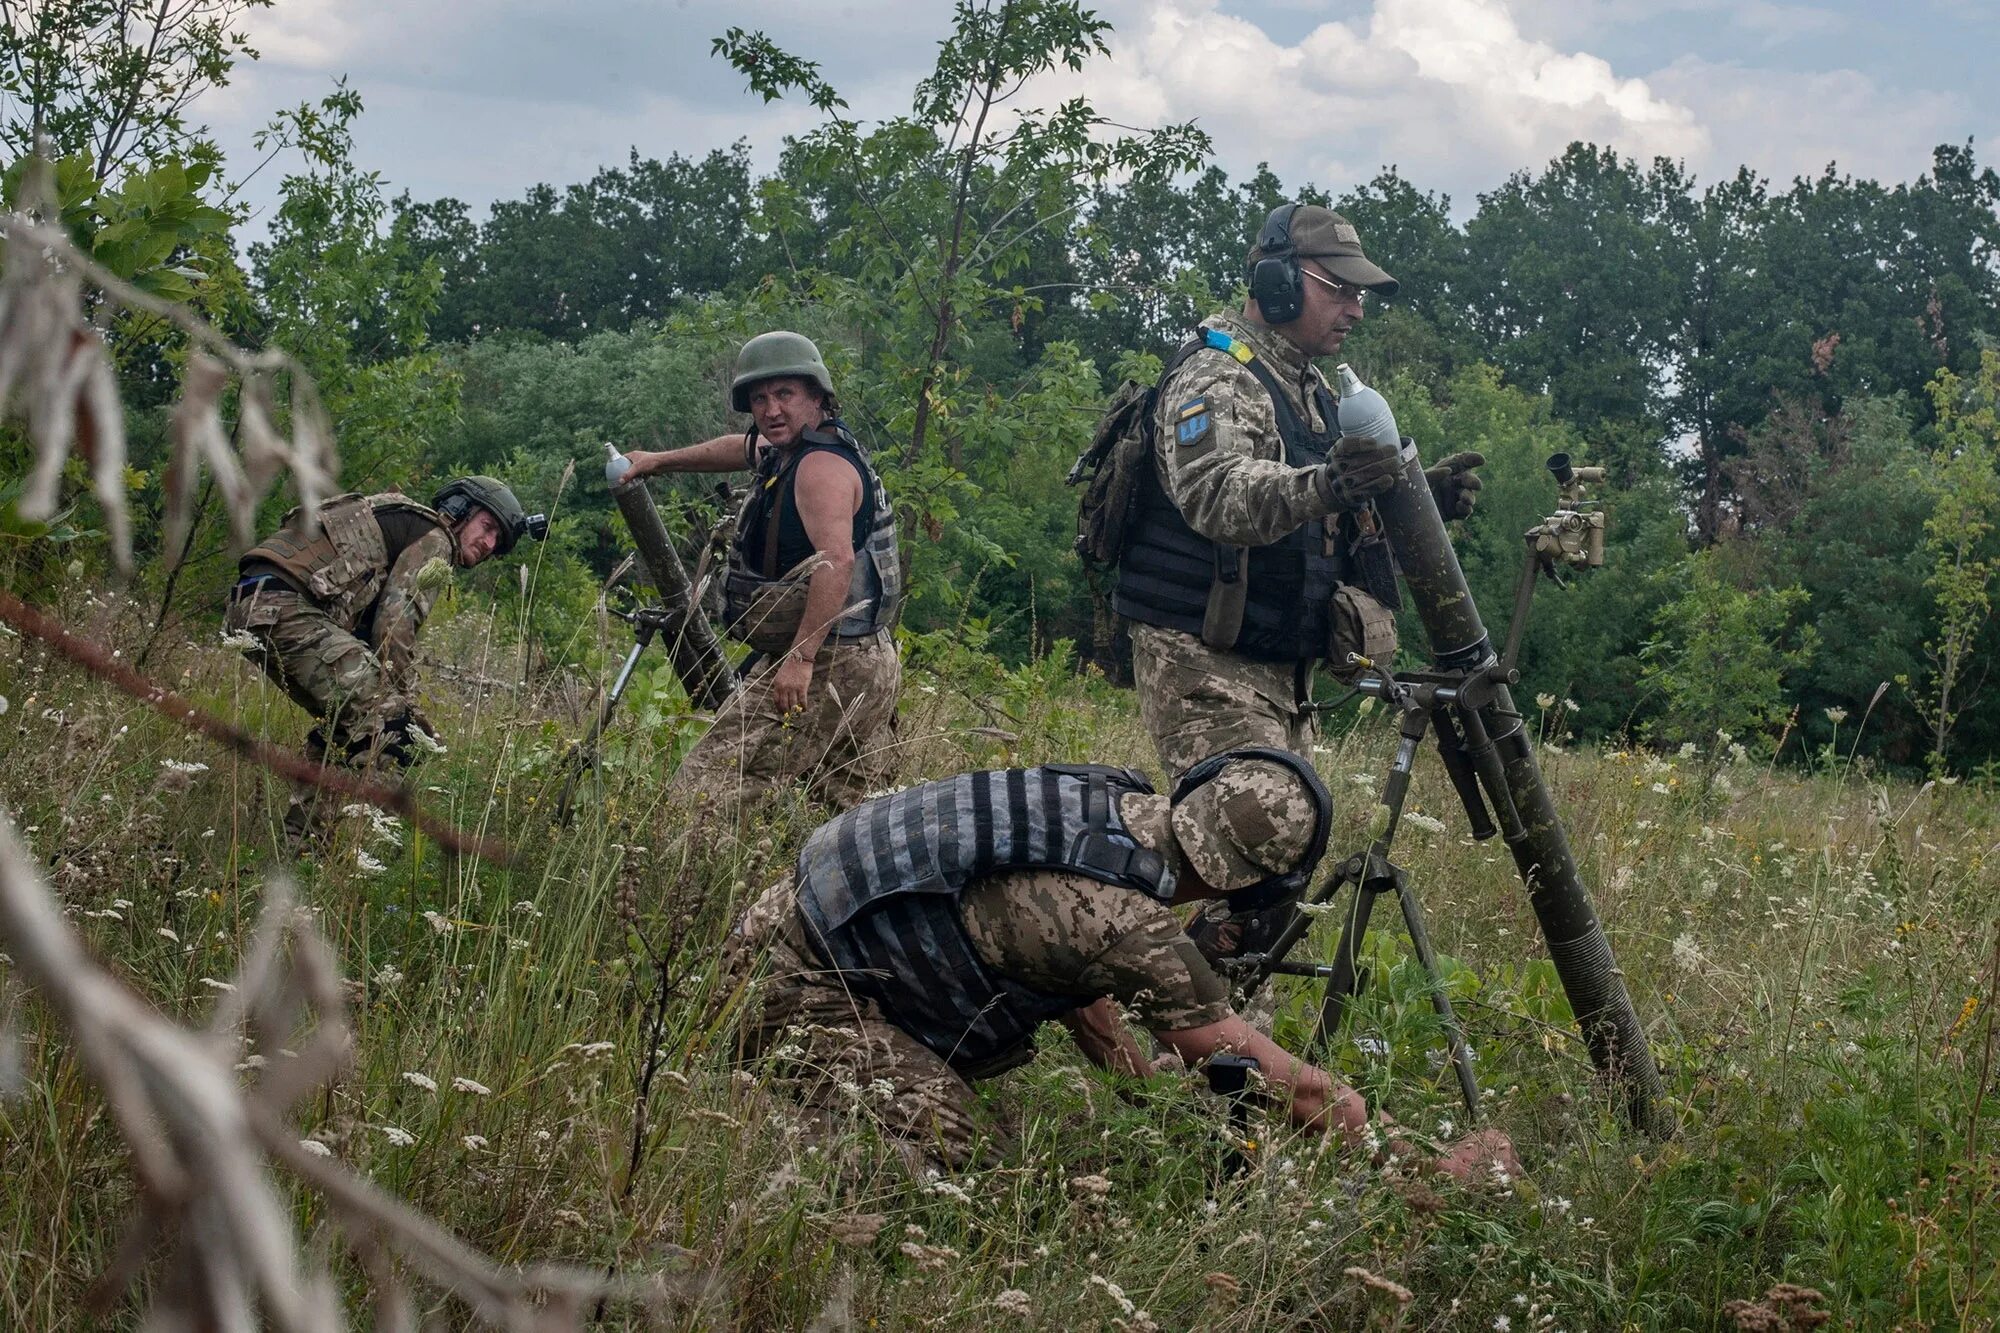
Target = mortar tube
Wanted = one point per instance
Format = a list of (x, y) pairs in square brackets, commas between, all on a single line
[(693, 649), (1542, 857)]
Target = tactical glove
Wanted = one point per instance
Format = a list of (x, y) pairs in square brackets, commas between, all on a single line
[(1359, 469), (1453, 483)]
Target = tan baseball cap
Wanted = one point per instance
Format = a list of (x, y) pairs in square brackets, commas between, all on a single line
[(1255, 819), (1325, 236)]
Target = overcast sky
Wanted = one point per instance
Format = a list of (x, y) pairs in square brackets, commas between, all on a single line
[(481, 99)]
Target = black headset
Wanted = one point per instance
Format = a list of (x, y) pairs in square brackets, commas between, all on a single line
[(1276, 284)]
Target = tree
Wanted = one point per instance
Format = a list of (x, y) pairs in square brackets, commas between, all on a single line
[(938, 214), (1718, 660), (1964, 480), (112, 80)]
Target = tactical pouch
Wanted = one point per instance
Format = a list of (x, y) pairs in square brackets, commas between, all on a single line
[(765, 613), (1359, 624)]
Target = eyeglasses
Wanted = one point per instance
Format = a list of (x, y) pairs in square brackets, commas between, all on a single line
[(1341, 291)]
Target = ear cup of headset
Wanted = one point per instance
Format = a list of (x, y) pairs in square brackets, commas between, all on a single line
[(1276, 284)]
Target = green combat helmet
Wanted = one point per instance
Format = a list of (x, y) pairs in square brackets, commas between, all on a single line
[(497, 499), (770, 355)]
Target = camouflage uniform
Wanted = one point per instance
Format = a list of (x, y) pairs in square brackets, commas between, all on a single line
[(1060, 932), (1234, 487), (839, 742), (335, 617)]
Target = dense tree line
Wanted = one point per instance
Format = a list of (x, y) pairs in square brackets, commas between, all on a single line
[(1793, 384)]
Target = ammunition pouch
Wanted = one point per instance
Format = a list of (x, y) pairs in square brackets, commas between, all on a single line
[(765, 613), (1357, 624)]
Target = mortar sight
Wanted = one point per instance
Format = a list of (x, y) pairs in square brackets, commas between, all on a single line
[(1567, 475)]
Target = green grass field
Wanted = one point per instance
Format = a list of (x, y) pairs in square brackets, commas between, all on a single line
[(1815, 954)]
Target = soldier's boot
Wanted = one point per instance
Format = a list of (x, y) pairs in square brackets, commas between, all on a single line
[(308, 814)]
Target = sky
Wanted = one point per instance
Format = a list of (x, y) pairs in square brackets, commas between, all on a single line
[(481, 99)]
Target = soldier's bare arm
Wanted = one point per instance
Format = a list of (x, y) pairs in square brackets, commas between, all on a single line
[(827, 491), (405, 602), (1222, 462), (724, 453), (1104, 1039)]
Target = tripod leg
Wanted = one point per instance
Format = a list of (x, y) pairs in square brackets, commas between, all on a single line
[(1348, 975), (1420, 940), (584, 757)]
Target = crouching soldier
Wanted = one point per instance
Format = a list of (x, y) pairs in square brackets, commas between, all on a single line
[(334, 613), (924, 936)]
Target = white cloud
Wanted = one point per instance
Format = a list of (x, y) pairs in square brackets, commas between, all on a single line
[(1449, 90), (1786, 123)]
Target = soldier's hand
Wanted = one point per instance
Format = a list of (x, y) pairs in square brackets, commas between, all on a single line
[(1454, 485), (1359, 469), (1483, 1157), (789, 684)]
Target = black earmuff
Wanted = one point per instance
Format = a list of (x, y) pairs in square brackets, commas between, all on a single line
[(1276, 284)]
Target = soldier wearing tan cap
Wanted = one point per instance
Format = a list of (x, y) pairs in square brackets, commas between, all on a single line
[(1254, 550), (924, 936)]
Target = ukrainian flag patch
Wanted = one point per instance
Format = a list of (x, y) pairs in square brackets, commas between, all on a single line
[(1191, 428)]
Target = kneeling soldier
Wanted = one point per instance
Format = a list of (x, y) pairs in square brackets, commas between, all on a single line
[(335, 613), (924, 936)]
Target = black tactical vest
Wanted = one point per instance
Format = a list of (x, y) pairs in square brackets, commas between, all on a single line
[(879, 888), (771, 539), (1168, 570)]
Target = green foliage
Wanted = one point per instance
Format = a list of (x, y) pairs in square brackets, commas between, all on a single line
[(1964, 482), (1719, 660), (110, 82), (341, 298)]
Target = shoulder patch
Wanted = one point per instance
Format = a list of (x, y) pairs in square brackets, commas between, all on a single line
[(1191, 429), (1191, 408)]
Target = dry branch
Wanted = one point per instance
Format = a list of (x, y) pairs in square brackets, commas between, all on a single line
[(199, 1137)]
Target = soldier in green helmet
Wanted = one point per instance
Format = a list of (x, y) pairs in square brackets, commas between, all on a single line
[(332, 609), (813, 586)]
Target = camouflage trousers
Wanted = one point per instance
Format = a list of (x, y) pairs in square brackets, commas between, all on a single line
[(1195, 701), (327, 671), (839, 744), (835, 1050)]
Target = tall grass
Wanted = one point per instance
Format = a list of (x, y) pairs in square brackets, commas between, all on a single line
[(1816, 954)]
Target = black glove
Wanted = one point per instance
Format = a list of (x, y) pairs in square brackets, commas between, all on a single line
[(1453, 484), (1359, 469)]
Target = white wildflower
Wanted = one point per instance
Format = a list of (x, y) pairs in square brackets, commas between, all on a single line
[(166, 933), (400, 1138), (369, 865), (1501, 1323), (241, 640), (467, 1085), (1723, 737), (1662, 789), (3, 705), (1114, 1291), (416, 1080), (474, 1142), (1687, 750), (426, 742), (213, 984), (1423, 821), (950, 1190), (441, 924), (1833, 715), (389, 976), (1015, 1302), (1545, 701), (181, 766), (315, 1148), (106, 914), (1572, 705), (1687, 953), (1090, 1187)]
